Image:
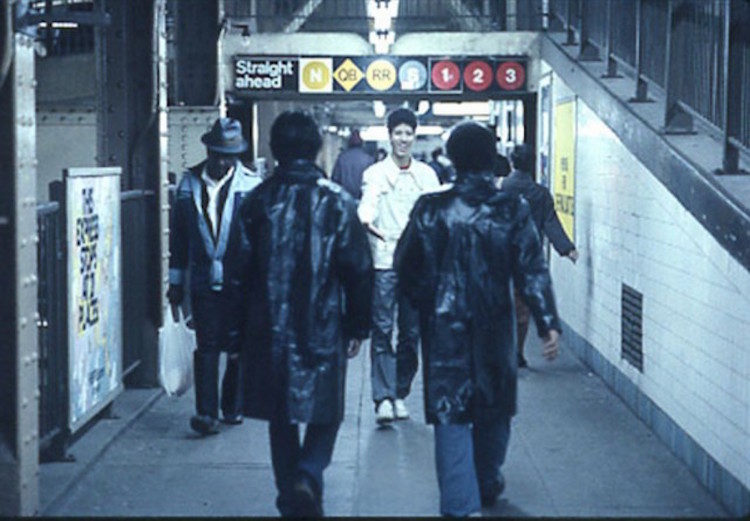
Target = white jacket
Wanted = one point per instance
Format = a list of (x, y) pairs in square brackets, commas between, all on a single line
[(388, 195)]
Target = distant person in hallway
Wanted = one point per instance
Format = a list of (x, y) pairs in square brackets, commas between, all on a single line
[(308, 274), (350, 164), (202, 238), (456, 262), (521, 181), (442, 166), (389, 190)]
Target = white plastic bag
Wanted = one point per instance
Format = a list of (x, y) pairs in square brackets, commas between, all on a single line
[(176, 345)]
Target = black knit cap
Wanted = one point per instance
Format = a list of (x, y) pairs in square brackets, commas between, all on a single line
[(471, 148)]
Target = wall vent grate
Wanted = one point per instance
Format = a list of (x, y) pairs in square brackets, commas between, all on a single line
[(632, 326)]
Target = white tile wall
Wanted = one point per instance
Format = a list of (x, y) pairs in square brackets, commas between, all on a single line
[(630, 229)]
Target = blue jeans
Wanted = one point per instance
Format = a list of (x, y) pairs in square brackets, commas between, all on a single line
[(289, 458), (468, 460), (392, 374)]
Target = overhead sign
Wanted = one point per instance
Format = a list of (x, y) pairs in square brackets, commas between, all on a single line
[(379, 75)]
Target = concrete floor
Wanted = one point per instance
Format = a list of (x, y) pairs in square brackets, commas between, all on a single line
[(576, 450)]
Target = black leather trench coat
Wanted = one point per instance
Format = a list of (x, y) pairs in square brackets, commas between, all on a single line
[(457, 260), (309, 275)]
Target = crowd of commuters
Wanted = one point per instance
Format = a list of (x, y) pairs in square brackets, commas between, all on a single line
[(291, 274)]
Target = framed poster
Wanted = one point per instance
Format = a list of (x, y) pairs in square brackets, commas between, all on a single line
[(563, 174), (92, 214)]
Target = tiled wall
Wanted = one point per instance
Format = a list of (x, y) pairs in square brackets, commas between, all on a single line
[(696, 301)]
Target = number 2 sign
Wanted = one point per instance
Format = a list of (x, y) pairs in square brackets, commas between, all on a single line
[(477, 75)]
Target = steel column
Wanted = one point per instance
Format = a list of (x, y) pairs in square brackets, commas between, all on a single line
[(19, 404)]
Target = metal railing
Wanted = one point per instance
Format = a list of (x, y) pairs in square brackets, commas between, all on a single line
[(694, 51), (54, 434), (413, 15), (53, 365)]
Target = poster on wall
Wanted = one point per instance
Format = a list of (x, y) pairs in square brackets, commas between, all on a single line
[(92, 207), (563, 173)]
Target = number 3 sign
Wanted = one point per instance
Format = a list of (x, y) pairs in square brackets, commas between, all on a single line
[(510, 75)]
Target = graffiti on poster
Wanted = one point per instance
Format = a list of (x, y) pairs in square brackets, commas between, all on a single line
[(95, 323)]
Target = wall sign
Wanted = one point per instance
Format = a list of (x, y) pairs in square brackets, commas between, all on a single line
[(92, 213), (341, 75)]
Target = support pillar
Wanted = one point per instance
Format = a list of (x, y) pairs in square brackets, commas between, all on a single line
[(19, 402)]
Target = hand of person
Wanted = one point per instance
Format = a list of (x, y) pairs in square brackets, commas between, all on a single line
[(550, 344), (175, 294), (353, 349), (573, 255)]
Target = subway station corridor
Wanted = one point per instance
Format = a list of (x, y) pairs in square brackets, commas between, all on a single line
[(576, 450)]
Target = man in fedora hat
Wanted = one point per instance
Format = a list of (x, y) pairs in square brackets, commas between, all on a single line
[(202, 238)]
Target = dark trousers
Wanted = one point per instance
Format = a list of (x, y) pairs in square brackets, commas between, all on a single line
[(290, 457), (392, 373), (206, 372)]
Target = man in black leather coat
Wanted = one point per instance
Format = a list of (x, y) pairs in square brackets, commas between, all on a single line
[(309, 276), (458, 258)]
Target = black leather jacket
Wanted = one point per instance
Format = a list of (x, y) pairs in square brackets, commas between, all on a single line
[(309, 275), (456, 260)]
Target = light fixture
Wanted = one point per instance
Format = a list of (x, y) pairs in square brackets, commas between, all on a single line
[(381, 14), (461, 108), (429, 130), (374, 133), (423, 107), (378, 107)]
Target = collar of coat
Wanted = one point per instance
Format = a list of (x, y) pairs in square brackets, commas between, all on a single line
[(300, 170), (517, 178)]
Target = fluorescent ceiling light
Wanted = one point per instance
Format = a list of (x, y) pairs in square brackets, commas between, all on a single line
[(461, 108), (378, 107), (430, 130), (375, 133)]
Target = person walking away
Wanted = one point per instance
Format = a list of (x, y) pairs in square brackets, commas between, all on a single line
[(521, 181), (350, 164), (202, 238), (457, 261), (389, 190), (308, 273)]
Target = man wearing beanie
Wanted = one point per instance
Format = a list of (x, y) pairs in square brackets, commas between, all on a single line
[(389, 190), (458, 260)]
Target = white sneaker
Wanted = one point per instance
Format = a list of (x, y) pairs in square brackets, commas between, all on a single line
[(384, 412), (400, 410)]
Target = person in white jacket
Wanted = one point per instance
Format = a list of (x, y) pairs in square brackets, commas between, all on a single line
[(389, 190)]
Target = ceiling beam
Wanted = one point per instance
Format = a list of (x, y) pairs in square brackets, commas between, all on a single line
[(301, 15)]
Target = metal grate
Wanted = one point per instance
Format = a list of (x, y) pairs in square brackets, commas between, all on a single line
[(632, 326)]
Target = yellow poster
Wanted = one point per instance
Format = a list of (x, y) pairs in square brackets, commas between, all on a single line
[(563, 166)]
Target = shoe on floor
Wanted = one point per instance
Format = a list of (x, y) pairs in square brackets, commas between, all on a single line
[(384, 412), (232, 419), (399, 409), (306, 498), (204, 425), (489, 496), (522, 362)]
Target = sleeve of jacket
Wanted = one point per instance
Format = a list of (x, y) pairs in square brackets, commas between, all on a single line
[(532, 273), (553, 228), (368, 206), (336, 172), (354, 262), (408, 260), (179, 237)]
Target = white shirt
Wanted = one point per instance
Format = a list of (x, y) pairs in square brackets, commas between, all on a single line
[(213, 187), (388, 195)]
